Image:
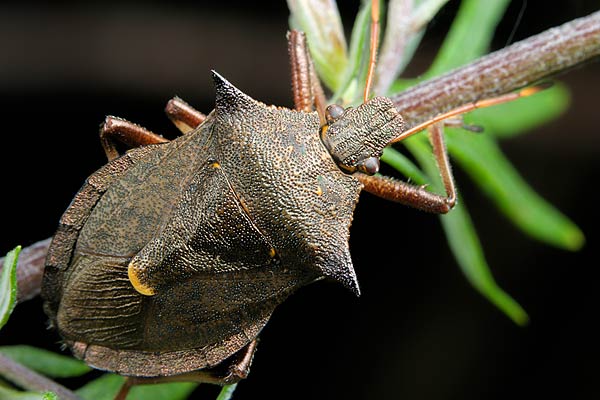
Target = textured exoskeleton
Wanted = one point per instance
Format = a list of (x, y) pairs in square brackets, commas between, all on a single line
[(172, 258)]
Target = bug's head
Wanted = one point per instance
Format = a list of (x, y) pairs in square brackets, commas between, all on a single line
[(356, 137)]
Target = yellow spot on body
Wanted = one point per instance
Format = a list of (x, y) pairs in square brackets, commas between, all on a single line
[(272, 252), (215, 165), (528, 91), (132, 271), (319, 190), (289, 150)]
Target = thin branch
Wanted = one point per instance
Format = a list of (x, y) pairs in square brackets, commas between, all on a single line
[(30, 269), (31, 380), (523, 63)]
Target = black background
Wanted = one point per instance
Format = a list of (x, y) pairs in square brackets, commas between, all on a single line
[(419, 331)]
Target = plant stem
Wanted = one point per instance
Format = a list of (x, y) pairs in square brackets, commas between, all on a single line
[(30, 380), (30, 269), (521, 64)]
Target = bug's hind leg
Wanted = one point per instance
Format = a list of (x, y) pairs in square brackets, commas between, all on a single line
[(237, 367), (230, 371), (115, 130), (417, 196), (185, 117)]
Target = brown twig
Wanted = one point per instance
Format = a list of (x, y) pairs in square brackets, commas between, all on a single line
[(30, 269), (31, 380), (523, 63)]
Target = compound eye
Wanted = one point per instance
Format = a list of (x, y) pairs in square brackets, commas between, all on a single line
[(369, 166), (333, 112)]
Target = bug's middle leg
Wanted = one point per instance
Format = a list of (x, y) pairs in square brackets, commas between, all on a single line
[(417, 196), (185, 117), (114, 129)]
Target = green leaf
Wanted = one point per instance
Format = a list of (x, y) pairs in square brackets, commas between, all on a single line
[(108, 385), (7, 393), (482, 159), (425, 11), (463, 240), (104, 388), (227, 392), (50, 396), (470, 34), (45, 362), (353, 76), (160, 391), (469, 37), (404, 165), (515, 117), (465, 245), (8, 285), (321, 22)]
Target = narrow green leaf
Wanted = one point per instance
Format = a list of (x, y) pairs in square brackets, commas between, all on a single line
[(46, 362), (470, 34), (469, 37), (163, 391), (465, 245), (227, 392), (425, 11), (104, 388), (8, 285), (404, 165), (404, 29), (321, 22), (7, 393), (463, 239), (509, 119), (353, 77), (483, 160), (108, 385), (50, 396)]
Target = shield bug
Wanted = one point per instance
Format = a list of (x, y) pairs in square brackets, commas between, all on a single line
[(172, 257)]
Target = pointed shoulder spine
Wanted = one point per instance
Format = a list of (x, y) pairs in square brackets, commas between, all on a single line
[(229, 98)]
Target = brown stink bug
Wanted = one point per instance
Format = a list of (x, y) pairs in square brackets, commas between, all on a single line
[(172, 257)]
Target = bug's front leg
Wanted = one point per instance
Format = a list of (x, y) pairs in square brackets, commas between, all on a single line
[(306, 87), (417, 196)]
